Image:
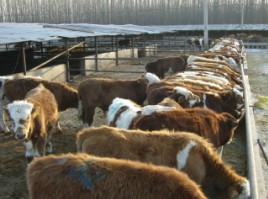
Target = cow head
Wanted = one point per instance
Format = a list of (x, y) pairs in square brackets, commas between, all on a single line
[(20, 113), (228, 126), (239, 190), (234, 98), (185, 97)]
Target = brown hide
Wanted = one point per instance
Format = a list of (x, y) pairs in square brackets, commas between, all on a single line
[(170, 103), (215, 127), (44, 118), (163, 65), (48, 115), (199, 77), (219, 101), (101, 92), (203, 165), (83, 176), (65, 95)]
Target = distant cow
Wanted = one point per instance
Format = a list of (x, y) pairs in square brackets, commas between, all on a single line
[(124, 42), (3, 102), (65, 95), (100, 92), (184, 151), (89, 177), (217, 128), (166, 65), (33, 120)]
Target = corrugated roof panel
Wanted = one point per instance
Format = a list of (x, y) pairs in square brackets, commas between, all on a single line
[(20, 32)]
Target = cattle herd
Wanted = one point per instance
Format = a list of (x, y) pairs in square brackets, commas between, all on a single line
[(161, 136)]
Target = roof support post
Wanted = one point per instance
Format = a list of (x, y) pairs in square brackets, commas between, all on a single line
[(23, 57), (96, 53), (205, 13), (67, 60), (132, 47), (116, 51)]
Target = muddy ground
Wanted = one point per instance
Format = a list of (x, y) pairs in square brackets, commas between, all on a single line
[(13, 164)]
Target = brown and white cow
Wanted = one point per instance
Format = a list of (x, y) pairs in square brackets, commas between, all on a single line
[(65, 95), (193, 95), (100, 92), (184, 151), (166, 65), (85, 176), (33, 120), (122, 112), (218, 128)]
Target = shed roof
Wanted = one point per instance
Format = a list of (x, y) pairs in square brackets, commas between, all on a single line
[(21, 32)]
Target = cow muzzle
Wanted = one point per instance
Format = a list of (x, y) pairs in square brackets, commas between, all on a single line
[(20, 135)]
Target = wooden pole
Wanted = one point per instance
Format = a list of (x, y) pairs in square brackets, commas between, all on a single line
[(96, 53), (55, 57), (205, 7), (23, 57), (67, 61), (116, 51)]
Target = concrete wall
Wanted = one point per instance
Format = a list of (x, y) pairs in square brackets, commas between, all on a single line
[(89, 64), (55, 73)]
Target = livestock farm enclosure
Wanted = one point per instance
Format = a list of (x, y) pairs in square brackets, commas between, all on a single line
[(13, 162), (238, 153)]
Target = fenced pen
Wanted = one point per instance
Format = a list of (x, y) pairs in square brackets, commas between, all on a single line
[(140, 12)]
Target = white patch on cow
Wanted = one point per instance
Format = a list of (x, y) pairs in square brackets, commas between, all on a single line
[(204, 100), (147, 110), (193, 102), (125, 118), (19, 110), (237, 92), (217, 47), (183, 155), (152, 78), (221, 79), (209, 84), (188, 73), (31, 151), (192, 58), (169, 72), (232, 63), (183, 91), (246, 190)]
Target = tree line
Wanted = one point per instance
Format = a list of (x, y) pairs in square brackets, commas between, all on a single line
[(139, 12)]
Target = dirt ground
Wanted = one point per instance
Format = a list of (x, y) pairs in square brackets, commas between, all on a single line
[(13, 164)]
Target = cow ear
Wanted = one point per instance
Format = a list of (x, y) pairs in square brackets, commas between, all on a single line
[(5, 111), (35, 111), (229, 117)]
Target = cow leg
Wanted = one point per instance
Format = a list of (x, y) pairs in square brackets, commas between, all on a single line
[(89, 116), (31, 151)]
